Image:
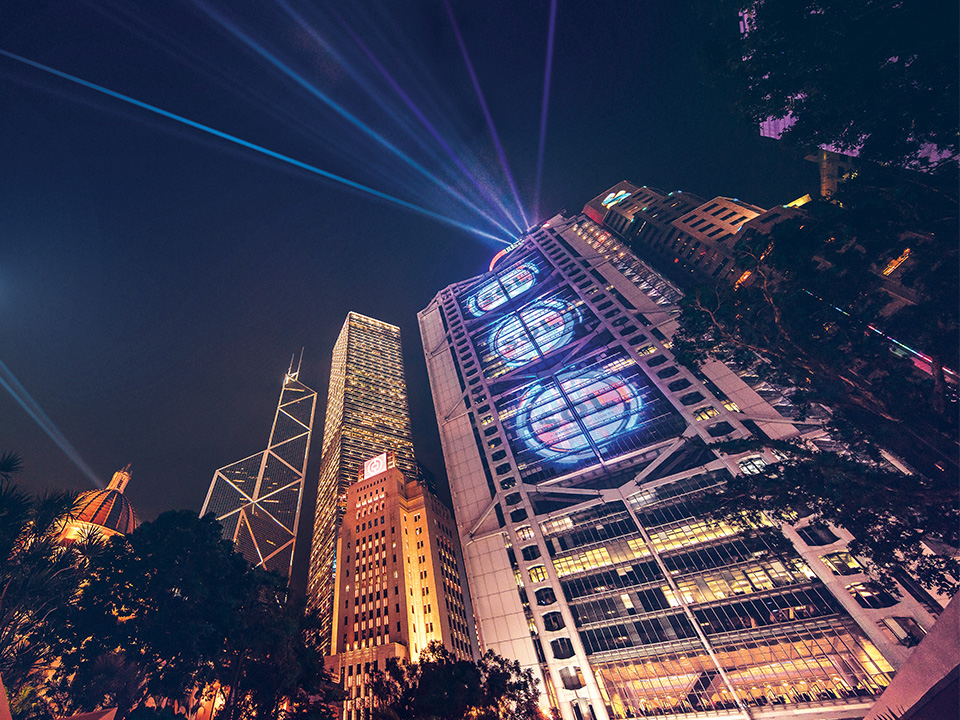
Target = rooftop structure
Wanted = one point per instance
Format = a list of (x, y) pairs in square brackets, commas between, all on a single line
[(257, 499), (106, 512)]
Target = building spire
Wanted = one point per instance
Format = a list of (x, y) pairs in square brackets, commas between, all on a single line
[(120, 479)]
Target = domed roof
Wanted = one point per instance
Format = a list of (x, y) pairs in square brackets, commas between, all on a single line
[(108, 508)]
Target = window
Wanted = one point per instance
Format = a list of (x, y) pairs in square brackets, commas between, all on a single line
[(538, 573), (512, 499), (658, 360), (720, 429), (816, 535), (518, 515), (530, 552), (525, 532), (752, 465), (667, 373), (507, 483), (572, 678), (553, 621), (691, 398), (705, 413), (871, 596), (562, 648), (905, 629), (842, 563), (678, 385), (546, 596)]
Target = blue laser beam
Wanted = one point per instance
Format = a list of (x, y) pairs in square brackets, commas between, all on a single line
[(346, 114), (545, 104), (486, 112), (19, 393), (258, 148)]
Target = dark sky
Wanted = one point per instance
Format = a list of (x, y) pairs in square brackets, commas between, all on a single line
[(154, 280)]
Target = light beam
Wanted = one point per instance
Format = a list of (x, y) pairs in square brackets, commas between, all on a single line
[(545, 105), (486, 113), (434, 133), (19, 393), (346, 114), (253, 146)]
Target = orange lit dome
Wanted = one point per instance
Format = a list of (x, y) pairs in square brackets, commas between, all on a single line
[(106, 511)]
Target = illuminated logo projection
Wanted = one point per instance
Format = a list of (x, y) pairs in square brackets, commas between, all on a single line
[(376, 465), (503, 253), (607, 406), (495, 293), (551, 323), (615, 198)]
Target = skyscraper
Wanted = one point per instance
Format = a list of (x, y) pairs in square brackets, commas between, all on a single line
[(257, 499), (574, 443), (367, 414), (398, 580)]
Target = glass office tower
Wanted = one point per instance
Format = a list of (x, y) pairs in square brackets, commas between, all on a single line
[(257, 499), (367, 414), (574, 443)]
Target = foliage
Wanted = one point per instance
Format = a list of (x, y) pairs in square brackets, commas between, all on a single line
[(160, 599), (888, 513), (443, 687), (870, 76), (39, 579), (10, 463), (171, 612), (153, 713), (269, 664), (816, 294)]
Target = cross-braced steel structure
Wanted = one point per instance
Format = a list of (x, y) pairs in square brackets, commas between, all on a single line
[(257, 499)]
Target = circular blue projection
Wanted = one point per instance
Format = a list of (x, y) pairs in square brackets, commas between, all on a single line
[(607, 406), (495, 293), (550, 323)]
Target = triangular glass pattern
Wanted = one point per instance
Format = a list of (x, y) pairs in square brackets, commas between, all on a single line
[(280, 562), (286, 428), (292, 452), (257, 499)]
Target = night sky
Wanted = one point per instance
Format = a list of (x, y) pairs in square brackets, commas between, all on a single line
[(155, 280)]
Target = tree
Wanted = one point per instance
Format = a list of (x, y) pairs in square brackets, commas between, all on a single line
[(161, 601), (39, 578), (870, 76), (890, 514), (269, 666), (443, 687), (816, 305)]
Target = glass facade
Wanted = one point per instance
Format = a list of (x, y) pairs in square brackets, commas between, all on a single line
[(576, 449), (257, 499), (367, 414)]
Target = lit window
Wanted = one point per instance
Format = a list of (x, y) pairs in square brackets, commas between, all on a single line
[(705, 413), (538, 573), (842, 563), (871, 596), (752, 465), (525, 532), (905, 629)]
